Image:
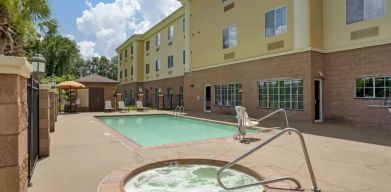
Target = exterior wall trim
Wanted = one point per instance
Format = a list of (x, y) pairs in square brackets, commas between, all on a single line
[(15, 65)]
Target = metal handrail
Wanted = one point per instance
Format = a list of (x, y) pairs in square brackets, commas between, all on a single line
[(315, 187), (273, 113)]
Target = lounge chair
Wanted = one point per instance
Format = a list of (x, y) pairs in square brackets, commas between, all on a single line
[(108, 106), (139, 106), (121, 106)]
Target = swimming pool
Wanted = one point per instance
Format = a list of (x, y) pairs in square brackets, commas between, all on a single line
[(153, 130)]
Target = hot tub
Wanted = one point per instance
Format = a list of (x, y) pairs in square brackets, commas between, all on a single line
[(192, 175)]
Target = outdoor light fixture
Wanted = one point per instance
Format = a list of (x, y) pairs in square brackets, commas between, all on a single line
[(140, 89), (52, 82), (160, 90), (38, 62)]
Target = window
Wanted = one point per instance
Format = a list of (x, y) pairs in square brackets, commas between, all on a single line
[(183, 24), (131, 50), (120, 57), (131, 70), (170, 32), (120, 74), (126, 73), (147, 68), (361, 10), (373, 87), (147, 44), (170, 61), (157, 40), (184, 57), (286, 94), (157, 65), (126, 53), (228, 95), (229, 37), (275, 22)]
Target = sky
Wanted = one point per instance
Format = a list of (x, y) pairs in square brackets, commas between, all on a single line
[(100, 26)]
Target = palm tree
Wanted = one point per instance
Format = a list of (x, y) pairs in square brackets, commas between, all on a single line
[(20, 19)]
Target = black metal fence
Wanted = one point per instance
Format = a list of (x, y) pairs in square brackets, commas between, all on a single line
[(170, 101), (151, 100), (33, 125)]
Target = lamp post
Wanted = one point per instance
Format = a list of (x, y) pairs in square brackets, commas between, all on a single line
[(52, 82), (38, 62)]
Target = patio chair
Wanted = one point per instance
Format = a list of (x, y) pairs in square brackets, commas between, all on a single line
[(121, 106), (108, 106), (243, 123), (139, 106), (75, 105)]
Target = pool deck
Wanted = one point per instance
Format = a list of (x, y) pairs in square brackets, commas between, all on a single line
[(344, 158)]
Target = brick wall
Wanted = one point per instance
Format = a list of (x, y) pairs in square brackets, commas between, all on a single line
[(293, 66), (341, 70)]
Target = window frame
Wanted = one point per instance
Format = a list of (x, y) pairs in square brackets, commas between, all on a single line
[(236, 37), (275, 23), (157, 65), (363, 12), (147, 68), (170, 62), (147, 45), (157, 40), (228, 95), (373, 87), (278, 97), (170, 33)]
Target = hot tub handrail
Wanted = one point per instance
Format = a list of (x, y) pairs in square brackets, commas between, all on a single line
[(315, 187), (178, 110)]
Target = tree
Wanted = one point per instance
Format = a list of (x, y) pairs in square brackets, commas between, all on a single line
[(20, 19), (61, 54)]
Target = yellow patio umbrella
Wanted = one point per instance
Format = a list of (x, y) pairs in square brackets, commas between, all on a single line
[(70, 85)]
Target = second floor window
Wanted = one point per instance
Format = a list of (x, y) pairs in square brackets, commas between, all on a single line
[(120, 57), (361, 10), (131, 70), (126, 73), (275, 22), (147, 44), (147, 68), (157, 40), (184, 57), (120, 74), (157, 65), (170, 61), (229, 37), (126, 54), (132, 50), (170, 32)]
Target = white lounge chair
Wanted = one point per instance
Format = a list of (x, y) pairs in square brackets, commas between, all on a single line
[(108, 106), (121, 106), (139, 106)]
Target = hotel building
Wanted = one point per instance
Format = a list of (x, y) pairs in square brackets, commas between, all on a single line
[(322, 60)]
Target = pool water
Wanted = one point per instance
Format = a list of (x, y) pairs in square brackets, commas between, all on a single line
[(189, 178), (152, 130)]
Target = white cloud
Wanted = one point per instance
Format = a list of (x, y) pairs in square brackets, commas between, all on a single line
[(110, 22), (69, 36), (87, 49)]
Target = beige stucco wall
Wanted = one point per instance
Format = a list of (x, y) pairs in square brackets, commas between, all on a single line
[(176, 49), (83, 96), (337, 32), (208, 21)]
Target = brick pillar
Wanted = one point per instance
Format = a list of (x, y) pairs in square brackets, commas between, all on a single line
[(141, 98), (44, 121), (161, 101), (53, 107), (14, 72)]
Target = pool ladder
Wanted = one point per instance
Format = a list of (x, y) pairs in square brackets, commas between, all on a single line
[(315, 187), (179, 110)]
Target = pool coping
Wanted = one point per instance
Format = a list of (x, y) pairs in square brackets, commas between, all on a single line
[(137, 147), (115, 181)]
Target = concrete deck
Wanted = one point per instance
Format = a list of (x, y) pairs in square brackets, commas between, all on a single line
[(344, 158)]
